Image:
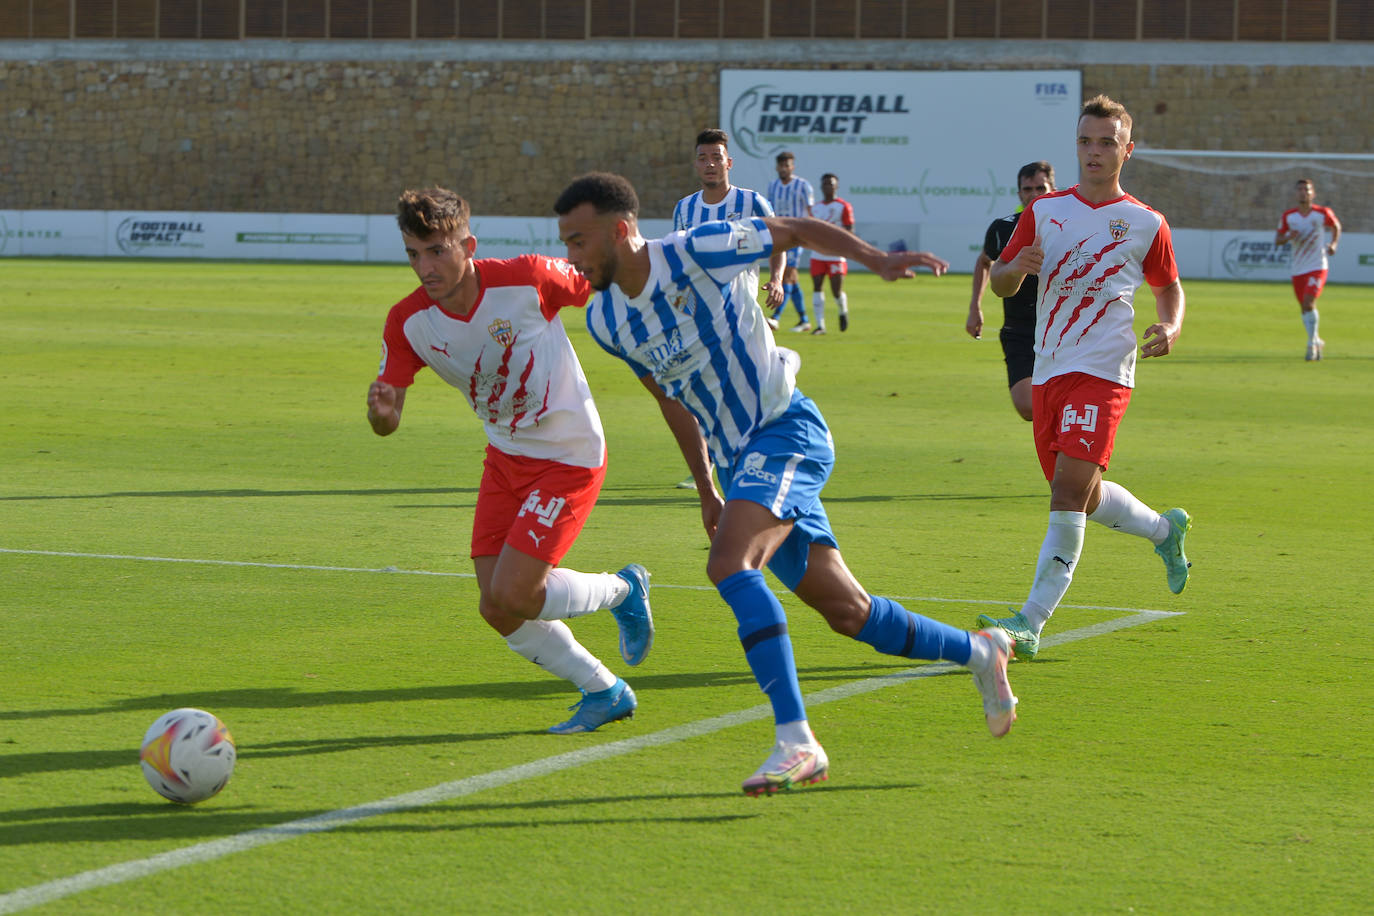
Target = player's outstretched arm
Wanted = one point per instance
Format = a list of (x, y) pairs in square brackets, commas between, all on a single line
[(818, 235), (384, 404), (693, 447), (1161, 336)]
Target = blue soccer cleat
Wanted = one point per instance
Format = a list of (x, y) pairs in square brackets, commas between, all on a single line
[(596, 709), (633, 616)]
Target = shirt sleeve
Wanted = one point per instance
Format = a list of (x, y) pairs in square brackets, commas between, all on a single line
[(847, 217), (1159, 266), (724, 250), (399, 360), (560, 285), (1023, 234), (992, 245)]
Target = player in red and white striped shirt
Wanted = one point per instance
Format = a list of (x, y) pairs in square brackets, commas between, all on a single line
[(1092, 246), (1305, 227), (491, 329)]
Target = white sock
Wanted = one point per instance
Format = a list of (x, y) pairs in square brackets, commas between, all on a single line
[(1119, 510), (551, 645), (798, 732), (818, 305), (1309, 321), (843, 300), (1054, 568), (569, 593), (979, 652)]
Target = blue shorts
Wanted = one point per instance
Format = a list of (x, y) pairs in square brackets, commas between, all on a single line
[(783, 468), (793, 257)]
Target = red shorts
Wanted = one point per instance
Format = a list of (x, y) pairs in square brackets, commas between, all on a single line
[(1309, 284), (1078, 415), (534, 505), (821, 267)]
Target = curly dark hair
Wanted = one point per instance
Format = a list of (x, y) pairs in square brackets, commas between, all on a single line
[(607, 192), (712, 136)]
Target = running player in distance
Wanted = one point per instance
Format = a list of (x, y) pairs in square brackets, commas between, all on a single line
[(1305, 227)]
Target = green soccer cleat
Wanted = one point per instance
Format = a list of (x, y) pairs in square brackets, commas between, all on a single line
[(1171, 551), (1025, 641)]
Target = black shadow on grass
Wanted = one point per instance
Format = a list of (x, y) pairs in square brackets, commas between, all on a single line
[(292, 698), (57, 761), (54, 761), (153, 820)]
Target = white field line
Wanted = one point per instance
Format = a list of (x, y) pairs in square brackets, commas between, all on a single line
[(392, 570), (38, 894)]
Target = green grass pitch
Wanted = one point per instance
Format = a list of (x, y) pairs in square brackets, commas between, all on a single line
[(1216, 761)]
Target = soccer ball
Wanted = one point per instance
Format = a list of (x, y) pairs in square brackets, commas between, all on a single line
[(187, 755)]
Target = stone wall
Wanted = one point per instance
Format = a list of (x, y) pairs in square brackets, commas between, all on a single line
[(325, 135)]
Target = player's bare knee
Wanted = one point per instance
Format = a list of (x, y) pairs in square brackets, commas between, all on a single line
[(507, 600), (846, 617)]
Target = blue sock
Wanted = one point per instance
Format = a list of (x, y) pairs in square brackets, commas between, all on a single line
[(894, 630), (795, 294), (763, 633)]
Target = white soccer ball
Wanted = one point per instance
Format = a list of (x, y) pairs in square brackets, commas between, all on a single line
[(187, 755)]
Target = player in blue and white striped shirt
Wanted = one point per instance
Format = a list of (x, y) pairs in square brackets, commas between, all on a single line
[(719, 200), (790, 195), (679, 312)]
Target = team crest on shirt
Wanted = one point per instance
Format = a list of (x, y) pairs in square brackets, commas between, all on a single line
[(685, 301), (1119, 228), (501, 332)]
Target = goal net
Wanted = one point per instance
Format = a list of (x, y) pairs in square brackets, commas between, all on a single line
[(1214, 189)]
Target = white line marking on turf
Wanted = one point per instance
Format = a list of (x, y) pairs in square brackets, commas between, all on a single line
[(38, 894), (392, 570)]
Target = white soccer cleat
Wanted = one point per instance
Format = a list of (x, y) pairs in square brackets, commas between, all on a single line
[(789, 765), (999, 703)]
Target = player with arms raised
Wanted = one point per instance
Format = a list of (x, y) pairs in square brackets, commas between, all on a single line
[(1092, 246), (490, 328)]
